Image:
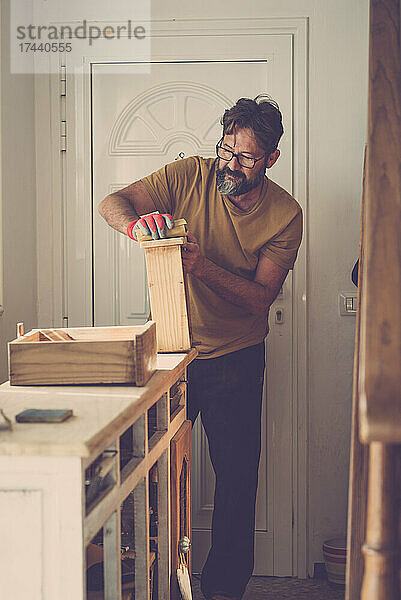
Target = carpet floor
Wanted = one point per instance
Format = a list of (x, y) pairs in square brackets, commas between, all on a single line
[(282, 588)]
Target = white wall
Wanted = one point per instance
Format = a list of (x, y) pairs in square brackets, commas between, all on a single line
[(338, 111), (18, 197), (338, 56)]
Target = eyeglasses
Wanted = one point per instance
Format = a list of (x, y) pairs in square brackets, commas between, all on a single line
[(227, 155)]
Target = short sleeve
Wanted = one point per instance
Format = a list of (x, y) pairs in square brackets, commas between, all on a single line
[(158, 187), (167, 185), (282, 249)]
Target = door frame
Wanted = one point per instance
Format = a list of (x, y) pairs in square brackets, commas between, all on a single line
[(64, 228)]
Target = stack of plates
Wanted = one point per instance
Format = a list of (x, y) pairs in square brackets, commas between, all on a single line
[(335, 556)]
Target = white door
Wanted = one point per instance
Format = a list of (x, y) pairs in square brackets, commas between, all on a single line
[(139, 122)]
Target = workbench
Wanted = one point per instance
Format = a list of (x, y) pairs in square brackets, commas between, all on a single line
[(52, 506)]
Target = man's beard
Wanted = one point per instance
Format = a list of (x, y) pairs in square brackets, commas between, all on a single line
[(238, 184)]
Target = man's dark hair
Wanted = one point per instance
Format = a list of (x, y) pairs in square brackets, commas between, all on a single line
[(262, 115)]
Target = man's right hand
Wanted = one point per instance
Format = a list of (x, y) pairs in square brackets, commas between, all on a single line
[(154, 224)]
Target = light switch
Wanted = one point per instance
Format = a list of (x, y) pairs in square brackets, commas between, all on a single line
[(347, 303)]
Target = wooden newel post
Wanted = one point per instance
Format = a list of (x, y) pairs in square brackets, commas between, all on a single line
[(381, 546)]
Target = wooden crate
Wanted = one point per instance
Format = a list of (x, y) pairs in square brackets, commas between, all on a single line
[(84, 355)]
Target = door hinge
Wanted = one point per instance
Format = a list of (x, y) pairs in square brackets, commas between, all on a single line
[(63, 121), (63, 136), (63, 80)]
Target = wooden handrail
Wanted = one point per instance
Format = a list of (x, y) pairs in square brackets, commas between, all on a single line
[(380, 335)]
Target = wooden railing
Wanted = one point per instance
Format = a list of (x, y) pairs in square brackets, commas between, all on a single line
[(374, 537)]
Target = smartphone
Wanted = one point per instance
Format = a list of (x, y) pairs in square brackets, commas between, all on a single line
[(43, 415)]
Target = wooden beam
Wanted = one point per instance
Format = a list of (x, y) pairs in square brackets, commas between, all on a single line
[(380, 350), (112, 557), (141, 534), (164, 550)]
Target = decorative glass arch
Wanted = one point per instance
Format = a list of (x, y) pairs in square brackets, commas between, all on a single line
[(167, 113)]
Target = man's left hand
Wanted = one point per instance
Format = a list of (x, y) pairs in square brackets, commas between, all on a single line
[(192, 259)]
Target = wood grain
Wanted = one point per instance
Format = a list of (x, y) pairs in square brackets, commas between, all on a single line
[(101, 413), (112, 556), (55, 335), (167, 294), (380, 352), (69, 356), (381, 578), (141, 535), (178, 241), (104, 509), (163, 529), (180, 452), (377, 383), (145, 353)]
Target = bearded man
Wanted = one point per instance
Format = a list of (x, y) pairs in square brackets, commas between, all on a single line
[(244, 235)]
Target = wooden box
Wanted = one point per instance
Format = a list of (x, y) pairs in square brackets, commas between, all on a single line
[(84, 355), (166, 281)]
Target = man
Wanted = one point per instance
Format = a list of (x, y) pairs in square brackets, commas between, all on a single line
[(244, 234)]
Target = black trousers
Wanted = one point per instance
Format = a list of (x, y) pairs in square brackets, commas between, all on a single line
[(227, 392)]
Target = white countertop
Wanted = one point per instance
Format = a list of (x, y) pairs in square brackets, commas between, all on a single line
[(99, 411)]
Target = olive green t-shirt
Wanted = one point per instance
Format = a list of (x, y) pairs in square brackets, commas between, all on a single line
[(231, 238)]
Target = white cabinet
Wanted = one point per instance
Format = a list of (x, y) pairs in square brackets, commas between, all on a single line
[(60, 484)]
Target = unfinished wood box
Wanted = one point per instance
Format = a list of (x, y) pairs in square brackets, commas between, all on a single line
[(166, 281), (78, 355)]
